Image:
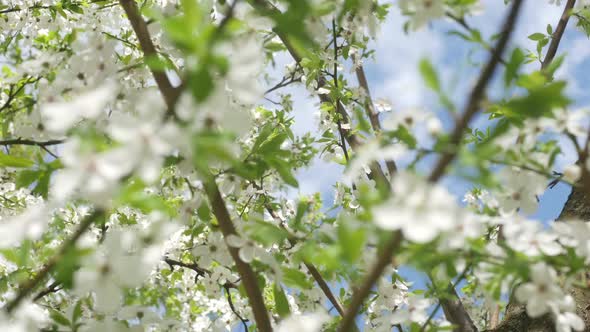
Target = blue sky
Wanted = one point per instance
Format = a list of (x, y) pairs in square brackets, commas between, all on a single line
[(394, 75)]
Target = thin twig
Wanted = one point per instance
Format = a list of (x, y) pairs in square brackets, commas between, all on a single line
[(21, 141), (13, 93), (52, 288), (463, 23), (558, 34), (477, 92), (358, 297), (433, 313), (201, 272), (315, 273), (30, 285), (335, 77), (285, 81), (233, 309)]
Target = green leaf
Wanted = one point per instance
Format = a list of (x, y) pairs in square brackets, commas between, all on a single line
[(204, 212), (77, 312), (24, 252), (553, 66), (351, 242), (516, 61), (281, 302), (284, 169), (42, 187), (429, 75), (302, 207), (59, 318), (266, 233), (27, 177), (201, 83), (296, 278), (13, 161), (403, 134), (536, 36), (539, 102), (64, 271), (134, 195)]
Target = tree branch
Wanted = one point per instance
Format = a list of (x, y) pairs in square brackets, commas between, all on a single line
[(358, 297), (247, 275), (13, 93), (558, 33), (170, 95), (477, 92), (30, 285), (52, 288), (21, 141), (454, 309), (457, 313), (199, 270), (370, 109), (140, 28), (315, 273)]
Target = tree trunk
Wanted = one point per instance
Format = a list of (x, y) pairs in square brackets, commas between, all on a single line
[(516, 319)]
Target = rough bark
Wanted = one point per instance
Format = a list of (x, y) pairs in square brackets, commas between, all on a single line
[(516, 319)]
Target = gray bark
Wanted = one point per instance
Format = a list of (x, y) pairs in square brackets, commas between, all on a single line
[(516, 319)]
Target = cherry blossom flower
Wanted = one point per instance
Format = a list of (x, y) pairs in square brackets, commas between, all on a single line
[(520, 190), (422, 11), (59, 117), (527, 237), (303, 323), (94, 175), (109, 270), (383, 105), (370, 152), (212, 250), (414, 311), (30, 224), (571, 121), (566, 319), (248, 251), (27, 317), (542, 292), (146, 315), (576, 234), (572, 173), (391, 295), (420, 210), (146, 143), (245, 65)]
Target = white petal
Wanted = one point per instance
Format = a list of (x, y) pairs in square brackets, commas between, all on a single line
[(323, 91), (536, 308), (61, 116), (65, 182), (235, 241), (246, 254)]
